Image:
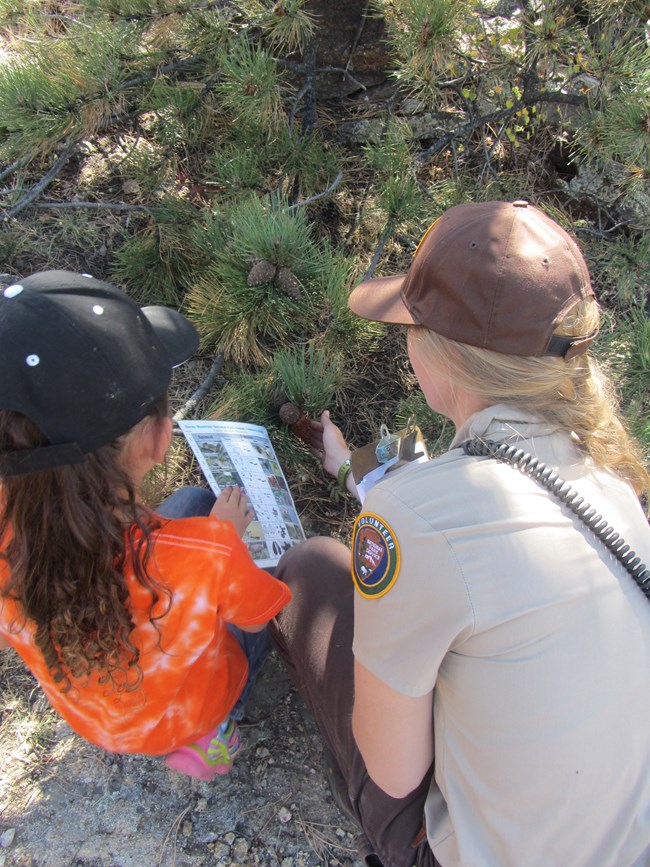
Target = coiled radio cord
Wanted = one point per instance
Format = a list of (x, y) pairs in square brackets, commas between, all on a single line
[(533, 467)]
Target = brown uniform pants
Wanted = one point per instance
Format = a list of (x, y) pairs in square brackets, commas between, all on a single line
[(313, 635)]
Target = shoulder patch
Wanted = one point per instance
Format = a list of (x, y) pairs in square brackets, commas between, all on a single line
[(375, 556)]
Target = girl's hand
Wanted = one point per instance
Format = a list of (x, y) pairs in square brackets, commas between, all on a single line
[(328, 444), (232, 505)]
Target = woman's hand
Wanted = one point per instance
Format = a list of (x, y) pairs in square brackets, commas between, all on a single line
[(232, 505), (328, 444)]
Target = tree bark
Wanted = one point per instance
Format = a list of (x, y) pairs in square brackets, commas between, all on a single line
[(350, 47)]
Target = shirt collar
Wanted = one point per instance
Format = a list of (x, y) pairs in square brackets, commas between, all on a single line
[(502, 423)]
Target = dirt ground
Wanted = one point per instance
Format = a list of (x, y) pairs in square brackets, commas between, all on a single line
[(65, 803)]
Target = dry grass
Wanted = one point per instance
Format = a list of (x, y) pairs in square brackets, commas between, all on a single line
[(27, 739)]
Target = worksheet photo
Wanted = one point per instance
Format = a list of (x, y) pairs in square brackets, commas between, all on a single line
[(237, 453)]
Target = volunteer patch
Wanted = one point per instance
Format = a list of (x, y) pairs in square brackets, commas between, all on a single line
[(375, 556)]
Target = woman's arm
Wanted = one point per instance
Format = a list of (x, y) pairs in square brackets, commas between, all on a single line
[(4, 644), (329, 446), (394, 733)]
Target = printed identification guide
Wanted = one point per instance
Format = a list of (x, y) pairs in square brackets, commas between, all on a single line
[(236, 453)]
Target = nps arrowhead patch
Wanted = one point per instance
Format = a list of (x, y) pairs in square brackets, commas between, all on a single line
[(375, 556)]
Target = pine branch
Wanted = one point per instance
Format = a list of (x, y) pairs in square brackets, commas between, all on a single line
[(12, 168), (198, 7), (160, 70), (345, 73), (96, 206), (58, 16), (531, 99), (68, 151), (295, 66)]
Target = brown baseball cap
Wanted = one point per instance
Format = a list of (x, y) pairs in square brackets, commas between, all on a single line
[(499, 275)]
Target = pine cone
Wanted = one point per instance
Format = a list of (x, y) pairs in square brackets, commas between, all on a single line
[(302, 429), (262, 272), (277, 397), (287, 282), (289, 413)]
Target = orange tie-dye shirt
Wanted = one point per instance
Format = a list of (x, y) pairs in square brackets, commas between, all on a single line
[(193, 668)]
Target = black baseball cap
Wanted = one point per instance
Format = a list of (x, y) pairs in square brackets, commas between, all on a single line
[(82, 361)]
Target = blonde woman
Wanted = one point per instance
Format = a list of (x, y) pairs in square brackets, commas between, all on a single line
[(482, 683)]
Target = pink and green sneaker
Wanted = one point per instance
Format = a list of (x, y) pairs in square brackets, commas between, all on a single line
[(212, 754)]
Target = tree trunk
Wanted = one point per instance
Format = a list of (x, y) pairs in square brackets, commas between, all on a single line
[(351, 42)]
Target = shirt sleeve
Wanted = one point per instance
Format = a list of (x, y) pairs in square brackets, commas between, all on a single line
[(248, 595), (403, 632)]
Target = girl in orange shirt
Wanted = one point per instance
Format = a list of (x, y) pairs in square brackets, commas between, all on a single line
[(137, 625)]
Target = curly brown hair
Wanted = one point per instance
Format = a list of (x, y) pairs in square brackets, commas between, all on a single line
[(65, 534)]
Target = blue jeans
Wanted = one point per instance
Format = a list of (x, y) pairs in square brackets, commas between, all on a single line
[(190, 502)]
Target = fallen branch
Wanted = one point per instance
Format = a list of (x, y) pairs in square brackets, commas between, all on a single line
[(337, 180), (378, 252), (47, 179), (96, 206), (294, 108), (202, 390), (12, 168)]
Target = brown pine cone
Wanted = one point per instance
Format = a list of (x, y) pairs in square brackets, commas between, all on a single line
[(302, 429), (289, 413), (277, 397), (262, 272), (287, 282)]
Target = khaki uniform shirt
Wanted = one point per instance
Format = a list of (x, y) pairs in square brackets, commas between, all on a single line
[(537, 641)]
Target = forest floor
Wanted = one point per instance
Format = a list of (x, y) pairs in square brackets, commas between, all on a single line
[(66, 803)]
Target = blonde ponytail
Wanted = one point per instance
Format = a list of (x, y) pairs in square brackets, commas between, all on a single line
[(576, 394)]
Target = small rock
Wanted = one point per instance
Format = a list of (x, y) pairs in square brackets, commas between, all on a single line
[(7, 838), (187, 829), (287, 862), (229, 838), (221, 851), (284, 816), (240, 849), (201, 805), (262, 753), (340, 833)]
